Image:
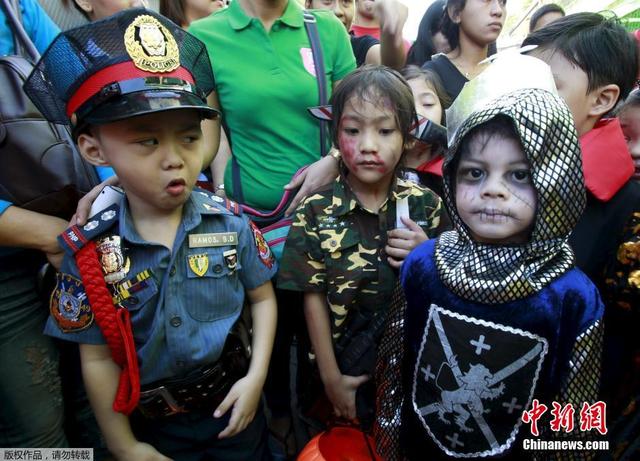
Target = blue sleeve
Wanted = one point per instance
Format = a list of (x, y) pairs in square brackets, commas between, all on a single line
[(70, 315), (105, 172), (257, 261), (38, 25), (416, 277), (4, 205)]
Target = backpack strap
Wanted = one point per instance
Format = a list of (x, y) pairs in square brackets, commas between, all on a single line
[(17, 44), (311, 26), (24, 44), (235, 178)]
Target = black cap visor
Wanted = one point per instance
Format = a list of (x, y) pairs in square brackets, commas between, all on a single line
[(136, 97)]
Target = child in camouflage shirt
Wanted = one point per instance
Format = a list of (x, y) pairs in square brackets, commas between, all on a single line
[(348, 238)]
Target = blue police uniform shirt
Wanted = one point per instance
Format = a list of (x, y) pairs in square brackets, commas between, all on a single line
[(180, 316)]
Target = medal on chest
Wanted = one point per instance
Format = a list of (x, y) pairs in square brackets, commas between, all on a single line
[(114, 264)]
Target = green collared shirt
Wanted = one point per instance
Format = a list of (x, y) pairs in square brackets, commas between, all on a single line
[(336, 246), (265, 81)]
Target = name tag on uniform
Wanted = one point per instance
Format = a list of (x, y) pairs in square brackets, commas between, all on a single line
[(218, 239)]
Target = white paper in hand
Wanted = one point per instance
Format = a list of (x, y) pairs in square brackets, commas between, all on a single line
[(402, 209)]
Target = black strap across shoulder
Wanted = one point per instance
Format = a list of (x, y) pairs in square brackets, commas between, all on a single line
[(318, 62), (24, 45)]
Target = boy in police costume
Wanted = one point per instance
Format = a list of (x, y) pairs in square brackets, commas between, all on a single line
[(152, 287)]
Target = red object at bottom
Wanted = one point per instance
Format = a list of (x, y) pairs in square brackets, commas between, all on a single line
[(206, 185), (340, 444)]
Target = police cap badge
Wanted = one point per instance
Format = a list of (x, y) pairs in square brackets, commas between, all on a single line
[(133, 63)]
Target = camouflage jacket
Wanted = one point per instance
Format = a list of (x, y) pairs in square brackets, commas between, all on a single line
[(336, 246)]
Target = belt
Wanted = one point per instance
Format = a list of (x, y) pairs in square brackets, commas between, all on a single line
[(201, 391)]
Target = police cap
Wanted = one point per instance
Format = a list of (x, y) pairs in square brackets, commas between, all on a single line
[(133, 63)]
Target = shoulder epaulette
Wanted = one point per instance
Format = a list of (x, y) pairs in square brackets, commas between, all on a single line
[(76, 237), (209, 203)]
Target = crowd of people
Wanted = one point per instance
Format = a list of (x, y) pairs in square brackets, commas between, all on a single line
[(463, 233)]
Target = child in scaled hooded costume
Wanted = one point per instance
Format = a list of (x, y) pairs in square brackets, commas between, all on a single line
[(496, 314)]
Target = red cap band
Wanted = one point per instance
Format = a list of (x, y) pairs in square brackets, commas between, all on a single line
[(112, 74)]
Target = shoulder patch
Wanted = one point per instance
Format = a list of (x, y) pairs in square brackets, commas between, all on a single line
[(69, 306), (233, 207), (75, 237), (264, 252)]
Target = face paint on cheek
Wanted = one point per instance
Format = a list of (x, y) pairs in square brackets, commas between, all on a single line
[(347, 147), (383, 168), (520, 197)]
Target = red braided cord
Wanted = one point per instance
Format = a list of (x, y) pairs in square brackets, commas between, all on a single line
[(116, 328), (130, 377)]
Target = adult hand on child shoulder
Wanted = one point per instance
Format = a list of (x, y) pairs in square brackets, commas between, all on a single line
[(50, 246), (316, 175), (400, 242), (341, 392), (84, 205), (244, 397)]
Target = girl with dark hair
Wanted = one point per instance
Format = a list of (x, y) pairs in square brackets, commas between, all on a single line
[(471, 27), (348, 238), (182, 12), (423, 162), (430, 39)]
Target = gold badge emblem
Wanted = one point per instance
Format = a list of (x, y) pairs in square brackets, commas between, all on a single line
[(199, 264), (114, 265), (151, 46)]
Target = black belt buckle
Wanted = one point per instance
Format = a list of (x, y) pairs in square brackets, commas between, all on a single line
[(151, 398), (184, 395)]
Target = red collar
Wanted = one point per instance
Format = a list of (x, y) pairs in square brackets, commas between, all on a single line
[(362, 30), (432, 166), (606, 161)]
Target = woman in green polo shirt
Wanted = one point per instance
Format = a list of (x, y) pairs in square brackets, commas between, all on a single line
[(265, 80)]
